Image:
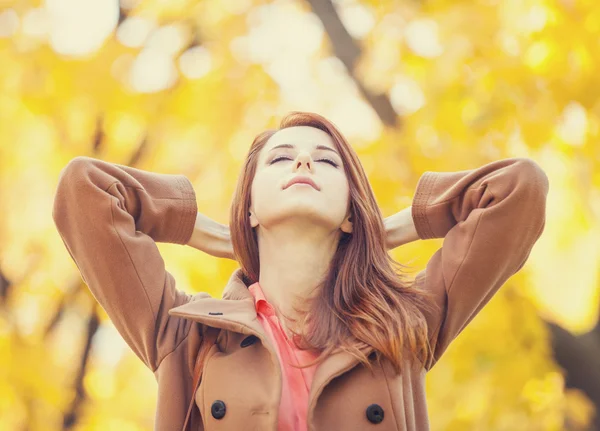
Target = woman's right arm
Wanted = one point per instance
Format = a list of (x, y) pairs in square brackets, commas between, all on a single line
[(110, 217)]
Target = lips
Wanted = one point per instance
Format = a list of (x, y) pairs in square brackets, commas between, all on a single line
[(303, 180)]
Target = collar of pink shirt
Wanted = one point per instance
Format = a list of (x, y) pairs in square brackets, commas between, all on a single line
[(263, 306), (260, 301)]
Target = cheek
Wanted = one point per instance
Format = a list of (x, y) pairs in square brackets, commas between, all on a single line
[(264, 188), (338, 183), (337, 193), (339, 199)]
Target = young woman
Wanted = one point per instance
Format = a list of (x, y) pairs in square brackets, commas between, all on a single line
[(317, 329)]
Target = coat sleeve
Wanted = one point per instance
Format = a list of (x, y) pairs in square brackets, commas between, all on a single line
[(490, 218), (110, 217)]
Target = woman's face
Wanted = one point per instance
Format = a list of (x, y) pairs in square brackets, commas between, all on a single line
[(293, 152)]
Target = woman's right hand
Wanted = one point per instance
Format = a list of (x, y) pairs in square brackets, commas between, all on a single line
[(211, 237)]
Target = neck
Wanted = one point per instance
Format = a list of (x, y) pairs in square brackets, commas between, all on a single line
[(293, 261)]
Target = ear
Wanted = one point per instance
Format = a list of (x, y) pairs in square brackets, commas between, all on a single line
[(347, 224), (252, 218)]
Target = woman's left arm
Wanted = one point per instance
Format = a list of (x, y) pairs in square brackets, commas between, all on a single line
[(400, 228), (490, 218)]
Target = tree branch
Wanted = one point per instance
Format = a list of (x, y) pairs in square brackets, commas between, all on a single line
[(579, 356), (347, 49), (70, 417)]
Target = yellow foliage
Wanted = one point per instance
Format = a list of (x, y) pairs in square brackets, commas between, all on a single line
[(188, 86)]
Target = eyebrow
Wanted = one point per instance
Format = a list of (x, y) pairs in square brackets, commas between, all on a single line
[(318, 147)]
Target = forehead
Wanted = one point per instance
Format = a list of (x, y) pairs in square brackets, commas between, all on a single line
[(303, 137)]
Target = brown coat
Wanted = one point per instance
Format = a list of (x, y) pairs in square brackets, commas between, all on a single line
[(110, 216)]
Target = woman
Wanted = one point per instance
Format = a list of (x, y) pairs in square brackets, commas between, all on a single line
[(317, 330)]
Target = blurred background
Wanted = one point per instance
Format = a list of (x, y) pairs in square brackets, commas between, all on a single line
[(183, 87)]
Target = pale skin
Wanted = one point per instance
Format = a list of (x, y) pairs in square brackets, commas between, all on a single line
[(299, 227)]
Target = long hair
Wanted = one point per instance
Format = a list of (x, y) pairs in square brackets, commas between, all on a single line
[(363, 299)]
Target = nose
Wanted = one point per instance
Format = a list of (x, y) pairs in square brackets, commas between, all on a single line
[(303, 160)]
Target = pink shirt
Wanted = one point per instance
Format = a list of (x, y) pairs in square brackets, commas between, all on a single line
[(296, 382)]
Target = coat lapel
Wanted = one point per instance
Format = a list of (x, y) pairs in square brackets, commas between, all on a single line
[(333, 366), (237, 315), (234, 312)]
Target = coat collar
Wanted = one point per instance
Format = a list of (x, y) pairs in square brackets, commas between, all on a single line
[(236, 312)]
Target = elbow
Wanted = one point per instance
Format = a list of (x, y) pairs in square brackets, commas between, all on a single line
[(77, 166), (69, 180), (533, 177), (533, 193)]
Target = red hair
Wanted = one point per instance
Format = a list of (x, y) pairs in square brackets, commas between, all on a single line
[(361, 300)]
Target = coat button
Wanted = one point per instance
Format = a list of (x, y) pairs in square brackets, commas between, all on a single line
[(375, 413), (248, 340), (218, 409)]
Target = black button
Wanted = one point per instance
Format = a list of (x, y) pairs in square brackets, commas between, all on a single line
[(248, 341), (216, 313), (375, 413), (218, 409)]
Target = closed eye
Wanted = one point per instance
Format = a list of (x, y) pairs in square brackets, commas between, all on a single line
[(326, 160)]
